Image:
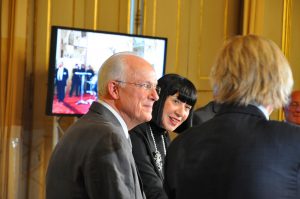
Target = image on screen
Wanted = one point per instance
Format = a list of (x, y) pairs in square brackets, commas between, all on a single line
[(76, 56)]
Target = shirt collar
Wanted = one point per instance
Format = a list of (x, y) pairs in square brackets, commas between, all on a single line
[(262, 109), (120, 119)]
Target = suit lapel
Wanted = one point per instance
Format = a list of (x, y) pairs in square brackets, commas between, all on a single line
[(109, 116)]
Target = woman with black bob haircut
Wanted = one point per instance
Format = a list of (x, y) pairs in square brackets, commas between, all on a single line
[(171, 113)]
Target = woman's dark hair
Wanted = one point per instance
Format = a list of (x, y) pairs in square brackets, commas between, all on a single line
[(171, 84)]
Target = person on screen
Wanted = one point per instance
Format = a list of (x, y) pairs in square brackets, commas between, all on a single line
[(75, 84), (82, 77), (94, 157), (240, 153), (151, 139), (61, 76), (89, 86), (292, 110)]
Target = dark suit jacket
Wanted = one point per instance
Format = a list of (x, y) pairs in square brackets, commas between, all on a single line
[(205, 113), (238, 154), (93, 160)]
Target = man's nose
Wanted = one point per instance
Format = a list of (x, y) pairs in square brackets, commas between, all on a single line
[(154, 95)]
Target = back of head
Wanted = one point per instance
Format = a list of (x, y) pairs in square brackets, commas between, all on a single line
[(251, 69), (171, 84)]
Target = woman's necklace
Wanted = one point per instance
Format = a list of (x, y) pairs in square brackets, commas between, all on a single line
[(157, 155)]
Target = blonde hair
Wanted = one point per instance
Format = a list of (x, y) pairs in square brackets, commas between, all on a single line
[(251, 69)]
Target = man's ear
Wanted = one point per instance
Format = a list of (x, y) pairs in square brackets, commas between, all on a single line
[(113, 89)]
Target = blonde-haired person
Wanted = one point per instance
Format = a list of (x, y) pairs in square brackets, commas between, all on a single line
[(240, 153)]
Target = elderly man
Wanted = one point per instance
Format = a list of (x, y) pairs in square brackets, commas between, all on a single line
[(292, 110), (94, 158)]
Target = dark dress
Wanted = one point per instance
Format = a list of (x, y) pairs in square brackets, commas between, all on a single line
[(143, 149), (238, 154)]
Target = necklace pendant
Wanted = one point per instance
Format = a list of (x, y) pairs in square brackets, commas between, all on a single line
[(158, 160), (156, 154)]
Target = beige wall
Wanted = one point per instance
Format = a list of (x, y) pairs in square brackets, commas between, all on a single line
[(195, 30), (295, 43)]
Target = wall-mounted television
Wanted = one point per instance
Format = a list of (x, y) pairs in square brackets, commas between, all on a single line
[(76, 56)]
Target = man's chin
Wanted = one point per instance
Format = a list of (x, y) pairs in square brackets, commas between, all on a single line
[(148, 118)]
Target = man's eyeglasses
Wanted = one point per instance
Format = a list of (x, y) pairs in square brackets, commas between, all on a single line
[(147, 86), (294, 105)]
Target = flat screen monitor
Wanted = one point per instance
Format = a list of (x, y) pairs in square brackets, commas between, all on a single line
[(76, 56)]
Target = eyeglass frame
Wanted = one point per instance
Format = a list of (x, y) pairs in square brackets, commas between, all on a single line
[(145, 85), (294, 105)]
